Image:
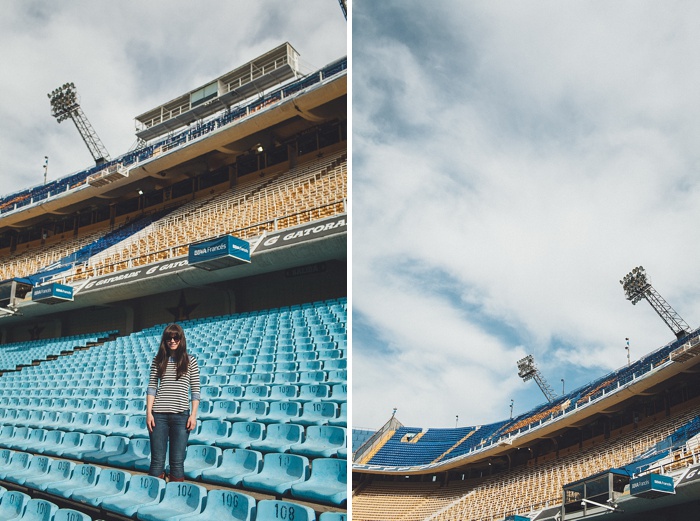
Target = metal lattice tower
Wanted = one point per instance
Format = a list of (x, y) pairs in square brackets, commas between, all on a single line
[(637, 287), (65, 105), (527, 370)]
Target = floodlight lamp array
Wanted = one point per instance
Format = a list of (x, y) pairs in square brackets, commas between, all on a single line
[(635, 285), (526, 368), (64, 100)]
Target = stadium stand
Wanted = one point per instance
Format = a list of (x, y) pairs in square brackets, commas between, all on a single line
[(270, 335), (640, 419)]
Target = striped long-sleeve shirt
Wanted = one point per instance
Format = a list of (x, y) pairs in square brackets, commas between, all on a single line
[(172, 395)]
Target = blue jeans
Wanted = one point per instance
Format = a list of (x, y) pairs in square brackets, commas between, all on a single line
[(170, 427)]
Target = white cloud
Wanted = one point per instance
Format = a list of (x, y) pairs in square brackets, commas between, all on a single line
[(126, 58), (557, 154)]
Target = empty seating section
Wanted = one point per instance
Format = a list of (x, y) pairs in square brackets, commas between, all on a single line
[(523, 489), (39, 193), (415, 446), (74, 426), (310, 191)]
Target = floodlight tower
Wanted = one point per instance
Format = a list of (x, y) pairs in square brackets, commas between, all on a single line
[(637, 287), (65, 105), (527, 370)]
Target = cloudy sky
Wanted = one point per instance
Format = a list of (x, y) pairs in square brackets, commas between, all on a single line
[(512, 161), (128, 57)]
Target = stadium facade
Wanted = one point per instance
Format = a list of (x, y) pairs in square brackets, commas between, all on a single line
[(230, 218), (627, 443)]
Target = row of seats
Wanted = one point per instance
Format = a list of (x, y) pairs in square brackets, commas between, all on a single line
[(77, 438), (279, 474), (18, 506)]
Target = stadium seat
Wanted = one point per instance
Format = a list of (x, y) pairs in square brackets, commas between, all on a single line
[(39, 510), (281, 412), (36, 438), (327, 484), (220, 410), (19, 435), (38, 466), (342, 419), (249, 411), (136, 427), (339, 393), (321, 441), (84, 475), (199, 458), (210, 432), (12, 505), (110, 482), (235, 465), (138, 454), (227, 505), (113, 446), (279, 437), (276, 510), (58, 471), (232, 392), (279, 473), (181, 499), (89, 443), (314, 392), (242, 435), (68, 514), (318, 413), (18, 463), (283, 392), (142, 491)]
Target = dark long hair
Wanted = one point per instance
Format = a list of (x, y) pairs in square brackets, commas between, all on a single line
[(181, 358)]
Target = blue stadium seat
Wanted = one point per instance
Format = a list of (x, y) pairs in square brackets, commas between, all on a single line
[(115, 424), (110, 482), (249, 411), (12, 505), (314, 392), (227, 505), (181, 499), (142, 491), (36, 438), (199, 458), (19, 435), (113, 446), (232, 392), (342, 419), (235, 465), (58, 471), (339, 393), (279, 437), (138, 453), (327, 484), (322, 441), (68, 514), (283, 392), (220, 410), (38, 466), (84, 475), (279, 473), (242, 435), (39, 510), (277, 510), (136, 428), (210, 432), (281, 412), (89, 443), (256, 392), (19, 463), (318, 413)]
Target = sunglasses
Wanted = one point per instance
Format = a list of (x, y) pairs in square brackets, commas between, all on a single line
[(173, 337)]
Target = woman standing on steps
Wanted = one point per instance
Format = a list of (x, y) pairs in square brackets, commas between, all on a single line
[(173, 384)]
